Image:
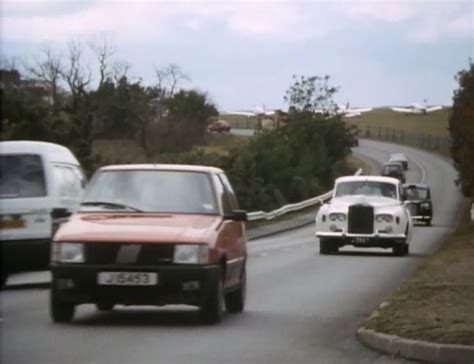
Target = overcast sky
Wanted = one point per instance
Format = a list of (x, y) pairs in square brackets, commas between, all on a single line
[(243, 53)]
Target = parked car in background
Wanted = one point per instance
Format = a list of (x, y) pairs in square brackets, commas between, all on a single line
[(152, 235), (393, 169), (219, 126), (418, 202), (39, 182), (399, 157), (365, 211)]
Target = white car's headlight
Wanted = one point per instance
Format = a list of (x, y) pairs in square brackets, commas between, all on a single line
[(67, 253), (384, 217), (190, 254), (337, 216)]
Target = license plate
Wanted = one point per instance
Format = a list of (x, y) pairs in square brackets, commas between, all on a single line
[(361, 240), (12, 223), (127, 278)]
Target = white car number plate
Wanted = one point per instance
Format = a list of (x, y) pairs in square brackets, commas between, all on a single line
[(360, 240), (127, 278)]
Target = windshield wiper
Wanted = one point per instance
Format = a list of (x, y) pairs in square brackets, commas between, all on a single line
[(107, 203)]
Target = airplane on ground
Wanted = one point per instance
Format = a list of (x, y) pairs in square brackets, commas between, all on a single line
[(345, 110), (417, 108), (256, 111)]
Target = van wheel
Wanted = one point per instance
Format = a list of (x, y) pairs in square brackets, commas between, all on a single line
[(212, 309), (60, 311), (235, 301), (105, 306)]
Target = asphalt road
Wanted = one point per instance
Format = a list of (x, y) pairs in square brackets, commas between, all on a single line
[(302, 307)]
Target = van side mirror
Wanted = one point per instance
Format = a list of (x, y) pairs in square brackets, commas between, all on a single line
[(237, 215), (60, 213)]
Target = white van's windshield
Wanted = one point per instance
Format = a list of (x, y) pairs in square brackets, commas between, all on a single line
[(22, 176)]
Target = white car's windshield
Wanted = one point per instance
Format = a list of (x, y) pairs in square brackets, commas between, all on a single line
[(367, 188), (150, 191)]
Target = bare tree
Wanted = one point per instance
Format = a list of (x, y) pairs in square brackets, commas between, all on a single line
[(48, 68), (169, 78), (103, 51), (74, 74), (120, 69)]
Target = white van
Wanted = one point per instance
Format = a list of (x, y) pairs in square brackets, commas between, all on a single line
[(39, 182)]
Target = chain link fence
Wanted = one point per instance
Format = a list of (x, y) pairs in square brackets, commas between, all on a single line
[(421, 140)]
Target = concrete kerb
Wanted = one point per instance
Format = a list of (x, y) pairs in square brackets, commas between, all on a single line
[(416, 349)]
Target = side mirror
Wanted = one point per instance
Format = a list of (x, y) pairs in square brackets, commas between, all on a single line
[(237, 215), (60, 213)]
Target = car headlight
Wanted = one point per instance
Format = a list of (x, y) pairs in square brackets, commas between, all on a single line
[(67, 253), (384, 217), (337, 216), (190, 254), (425, 205)]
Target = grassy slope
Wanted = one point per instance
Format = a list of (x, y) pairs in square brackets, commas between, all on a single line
[(437, 302), (435, 123)]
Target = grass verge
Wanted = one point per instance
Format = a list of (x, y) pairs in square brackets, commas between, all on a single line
[(437, 302)]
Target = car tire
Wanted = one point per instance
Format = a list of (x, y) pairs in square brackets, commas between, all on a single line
[(4, 278), (327, 247), (406, 249), (235, 301), (60, 311), (324, 247), (399, 250), (212, 309), (105, 306), (428, 222)]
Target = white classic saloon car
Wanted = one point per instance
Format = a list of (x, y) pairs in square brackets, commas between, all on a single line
[(365, 211)]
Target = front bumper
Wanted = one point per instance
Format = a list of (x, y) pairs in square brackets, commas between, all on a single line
[(78, 284), (377, 239)]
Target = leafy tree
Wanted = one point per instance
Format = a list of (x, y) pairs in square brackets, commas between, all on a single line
[(310, 93), (461, 128)]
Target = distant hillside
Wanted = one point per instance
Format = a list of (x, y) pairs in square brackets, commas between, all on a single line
[(434, 123)]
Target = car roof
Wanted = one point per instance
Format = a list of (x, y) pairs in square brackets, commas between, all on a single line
[(53, 152), (397, 156), (393, 163), (162, 167), (368, 178)]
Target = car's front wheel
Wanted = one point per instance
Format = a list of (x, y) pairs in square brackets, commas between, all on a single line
[(60, 311), (327, 246), (401, 249), (212, 309), (235, 301)]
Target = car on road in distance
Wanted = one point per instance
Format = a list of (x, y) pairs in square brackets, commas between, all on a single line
[(152, 234), (365, 211), (39, 184), (393, 169), (219, 126), (418, 202), (399, 157)]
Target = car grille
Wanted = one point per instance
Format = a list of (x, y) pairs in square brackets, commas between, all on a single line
[(128, 254), (361, 219)]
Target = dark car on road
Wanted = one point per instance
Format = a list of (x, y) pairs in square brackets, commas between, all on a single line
[(393, 169), (152, 235), (418, 202)]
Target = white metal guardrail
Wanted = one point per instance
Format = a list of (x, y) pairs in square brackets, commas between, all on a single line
[(262, 215)]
